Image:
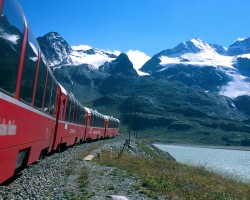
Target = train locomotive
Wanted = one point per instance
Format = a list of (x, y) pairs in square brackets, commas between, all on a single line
[(37, 115)]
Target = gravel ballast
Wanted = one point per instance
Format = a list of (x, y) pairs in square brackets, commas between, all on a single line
[(56, 177)]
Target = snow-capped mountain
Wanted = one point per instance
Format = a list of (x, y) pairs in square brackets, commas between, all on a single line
[(55, 49), (202, 65), (107, 80), (241, 46), (59, 53), (207, 66)]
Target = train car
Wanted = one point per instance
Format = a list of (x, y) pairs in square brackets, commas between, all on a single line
[(37, 115), (71, 122), (97, 126), (112, 127), (28, 94)]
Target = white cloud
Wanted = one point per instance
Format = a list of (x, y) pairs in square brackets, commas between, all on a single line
[(81, 47), (138, 59)]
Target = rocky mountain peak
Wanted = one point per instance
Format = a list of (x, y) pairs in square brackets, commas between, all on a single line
[(59, 53), (194, 46), (197, 45), (239, 47), (56, 41), (120, 65), (55, 49)]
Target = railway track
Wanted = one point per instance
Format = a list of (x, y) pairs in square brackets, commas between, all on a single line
[(49, 178)]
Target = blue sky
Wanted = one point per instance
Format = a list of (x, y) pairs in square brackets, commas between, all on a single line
[(146, 25)]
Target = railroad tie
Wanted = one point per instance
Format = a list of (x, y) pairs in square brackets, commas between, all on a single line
[(89, 157)]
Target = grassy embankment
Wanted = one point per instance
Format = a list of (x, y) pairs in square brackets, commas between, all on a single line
[(162, 177)]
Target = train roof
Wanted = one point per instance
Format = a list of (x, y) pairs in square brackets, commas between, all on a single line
[(62, 89), (87, 110)]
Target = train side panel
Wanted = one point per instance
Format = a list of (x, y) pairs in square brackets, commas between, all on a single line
[(70, 128), (37, 115), (22, 129), (27, 94)]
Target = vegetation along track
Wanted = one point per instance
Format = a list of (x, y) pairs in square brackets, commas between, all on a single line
[(141, 172)]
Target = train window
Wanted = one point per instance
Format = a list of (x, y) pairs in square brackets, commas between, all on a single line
[(29, 70), (52, 101), (47, 94), (11, 39), (72, 111), (79, 115), (111, 123), (95, 120), (73, 107), (75, 113), (40, 85), (92, 119), (56, 102), (68, 109), (98, 120), (83, 115), (102, 122), (63, 107)]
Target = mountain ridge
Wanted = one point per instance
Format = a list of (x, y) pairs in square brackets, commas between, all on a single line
[(178, 102), (59, 53), (189, 60)]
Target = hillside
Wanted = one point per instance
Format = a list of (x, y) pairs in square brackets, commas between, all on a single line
[(180, 101)]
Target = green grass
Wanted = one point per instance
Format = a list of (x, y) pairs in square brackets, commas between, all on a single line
[(81, 192), (177, 181), (83, 180)]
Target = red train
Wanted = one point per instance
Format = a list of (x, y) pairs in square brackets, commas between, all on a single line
[(37, 115)]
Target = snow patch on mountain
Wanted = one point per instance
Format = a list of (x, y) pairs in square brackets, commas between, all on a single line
[(81, 47), (117, 53), (96, 58), (85, 54), (237, 87), (244, 56), (198, 54), (209, 58), (138, 59), (240, 39), (10, 37)]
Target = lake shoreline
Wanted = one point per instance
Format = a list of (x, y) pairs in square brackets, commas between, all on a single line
[(220, 159), (237, 148)]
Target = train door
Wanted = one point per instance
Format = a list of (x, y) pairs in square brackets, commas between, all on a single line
[(105, 126), (87, 124), (60, 115)]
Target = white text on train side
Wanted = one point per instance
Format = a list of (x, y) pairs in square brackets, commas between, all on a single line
[(72, 131), (7, 129)]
